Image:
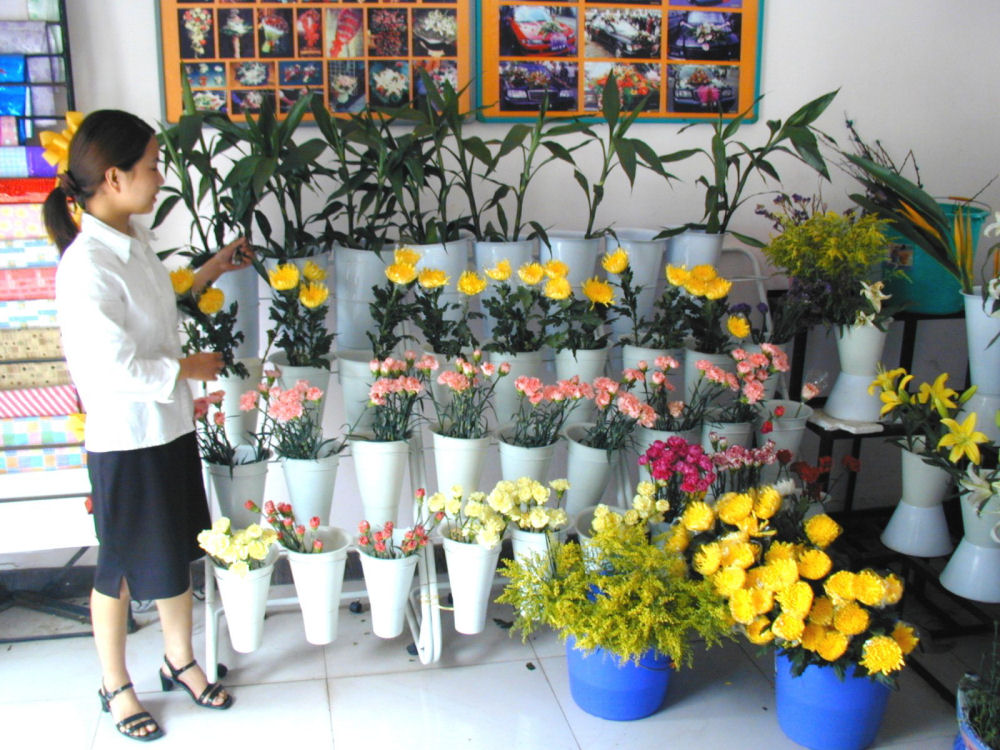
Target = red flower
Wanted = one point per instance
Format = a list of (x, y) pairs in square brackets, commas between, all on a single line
[(784, 456), (779, 411), (825, 464), (767, 427), (88, 503), (314, 522), (250, 505), (364, 527), (851, 463)]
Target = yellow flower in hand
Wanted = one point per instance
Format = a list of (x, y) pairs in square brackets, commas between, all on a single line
[(531, 273), (555, 268), (738, 326), (471, 283), (182, 280), (432, 278), (211, 301), (558, 288), (598, 292), (313, 295), (406, 255), (284, 277), (313, 272), (501, 272), (615, 262), (677, 275), (963, 439), (401, 273)]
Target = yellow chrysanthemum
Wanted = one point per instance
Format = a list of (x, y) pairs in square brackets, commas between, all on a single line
[(903, 635), (851, 618), (733, 507), (707, 559), (893, 590), (284, 277), (788, 627), (678, 539), (558, 288), (401, 273), (555, 268), (728, 580), (598, 292), (695, 287), (738, 326), (821, 612), (406, 255), (840, 586), (738, 553), (869, 588), (615, 262), (780, 551), (182, 280), (313, 272), (704, 272), (751, 526), (822, 530), (761, 600), (797, 599), (471, 283), (812, 636), (677, 275), (211, 301), (755, 578), (717, 288), (741, 607), (881, 653), (814, 564), (500, 272), (432, 278), (767, 502), (833, 646), (759, 631), (779, 574), (698, 516), (531, 273), (313, 295)]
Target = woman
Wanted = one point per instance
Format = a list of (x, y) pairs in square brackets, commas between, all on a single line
[(119, 322)]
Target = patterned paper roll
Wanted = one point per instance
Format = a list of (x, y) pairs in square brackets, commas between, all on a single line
[(36, 431), (27, 283), (48, 401), (21, 221), (27, 253), (43, 459), (28, 313)]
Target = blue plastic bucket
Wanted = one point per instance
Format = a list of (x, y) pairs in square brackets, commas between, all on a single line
[(602, 685), (820, 711), (927, 288)]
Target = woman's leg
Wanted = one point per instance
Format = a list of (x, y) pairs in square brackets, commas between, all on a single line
[(175, 617), (109, 617)]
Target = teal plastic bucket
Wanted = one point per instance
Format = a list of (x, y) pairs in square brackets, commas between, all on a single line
[(820, 711), (602, 685), (927, 288)]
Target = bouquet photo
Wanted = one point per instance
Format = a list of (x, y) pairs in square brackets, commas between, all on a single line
[(542, 410), (239, 551), (469, 389), (298, 310)]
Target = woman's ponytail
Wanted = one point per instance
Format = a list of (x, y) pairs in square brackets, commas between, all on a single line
[(58, 219)]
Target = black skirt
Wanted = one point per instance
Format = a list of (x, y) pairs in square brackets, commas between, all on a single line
[(149, 505)]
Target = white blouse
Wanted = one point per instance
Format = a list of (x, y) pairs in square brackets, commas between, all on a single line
[(119, 321)]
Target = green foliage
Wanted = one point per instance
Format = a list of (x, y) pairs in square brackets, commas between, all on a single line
[(390, 308), (621, 593), (213, 333), (577, 323), (981, 696), (517, 311), (301, 331), (446, 335)]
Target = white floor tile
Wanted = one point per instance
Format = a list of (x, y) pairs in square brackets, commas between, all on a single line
[(67, 724), (486, 707)]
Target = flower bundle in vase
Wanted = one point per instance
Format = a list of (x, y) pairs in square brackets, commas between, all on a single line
[(516, 310), (298, 310), (525, 505), (739, 469), (705, 303), (469, 388), (681, 473), (208, 328), (291, 535), (291, 419), (619, 412), (543, 410), (576, 323), (396, 393), (238, 551), (672, 414)]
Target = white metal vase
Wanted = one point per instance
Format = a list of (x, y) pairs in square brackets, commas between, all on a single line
[(587, 364), (458, 461), (356, 380), (645, 256), (528, 544), (588, 470), (244, 289), (734, 433), (505, 398), (488, 254), (319, 579), (310, 483), (695, 247), (918, 526), (517, 461), (233, 488), (453, 258), (239, 424), (579, 253), (355, 273), (984, 363), (471, 568), (244, 600), (786, 431), (388, 582), (860, 350), (379, 467), (973, 570)]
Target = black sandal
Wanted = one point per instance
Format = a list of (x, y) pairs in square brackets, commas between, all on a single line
[(130, 725), (208, 695)]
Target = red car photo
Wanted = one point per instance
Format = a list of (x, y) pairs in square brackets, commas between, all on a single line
[(537, 30)]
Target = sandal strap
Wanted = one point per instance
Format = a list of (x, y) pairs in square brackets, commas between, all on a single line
[(210, 693), (175, 673), (111, 696), (131, 724)]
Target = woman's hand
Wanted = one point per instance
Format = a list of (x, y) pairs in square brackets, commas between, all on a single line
[(234, 256), (202, 366)]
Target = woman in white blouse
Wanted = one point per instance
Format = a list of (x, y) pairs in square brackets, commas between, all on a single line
[(119, 322)]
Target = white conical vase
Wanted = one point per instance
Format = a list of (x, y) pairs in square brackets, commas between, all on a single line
[(243, 288), (319, 578), (388, 583), (786, 431), (232, 488), (453, 258), (579, 253), (860, 349), (505, 398), (517, 461), (918, 526), (695, 247), (528, 544), (310, 485), (973, 571), (734, 433), (239, 424), (586, 364), (692, 375), (645, 255), (984, 363), (317, 377), (587, 469), (379, 468), (471, 568), (356, 380), (355, 273), (488, 254), (458, 461), (244, 600)]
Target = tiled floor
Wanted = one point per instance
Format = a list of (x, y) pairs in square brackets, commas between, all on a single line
[(487, 691)]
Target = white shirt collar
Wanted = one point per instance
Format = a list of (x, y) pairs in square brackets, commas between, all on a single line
[(120, 243)]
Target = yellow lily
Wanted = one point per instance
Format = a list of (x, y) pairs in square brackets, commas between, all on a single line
[(963, 439), (938, 394)]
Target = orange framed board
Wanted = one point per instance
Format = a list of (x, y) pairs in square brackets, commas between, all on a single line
[(690, 57), (236, 53)]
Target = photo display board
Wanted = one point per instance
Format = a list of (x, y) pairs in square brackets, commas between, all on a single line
[(690, 57), (237, 53)]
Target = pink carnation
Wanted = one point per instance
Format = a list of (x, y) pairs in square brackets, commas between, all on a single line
[(215, 397), (248, 401), (219, 418), (314, 394), (200, 408), (667, 363), (488, 369)]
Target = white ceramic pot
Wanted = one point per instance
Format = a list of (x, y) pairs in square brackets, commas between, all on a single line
[(517, 461), (973, 571), (355, 273), (735, 433), (319, 578), (918, 526), (244, 599), (529, 544), (786, 431), (243, 288), (239, 424), (859, 349), (576, 251), (980, 330), (233, 489), (379, 468), (471, 568), (645, 255), (458, 461), (388, 583), (695, 247), (587, 469), (504, 396), (356, 380), (633, 355), (587, 364), (310, 485)]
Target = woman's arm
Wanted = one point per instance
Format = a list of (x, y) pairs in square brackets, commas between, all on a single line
[(236, 255)]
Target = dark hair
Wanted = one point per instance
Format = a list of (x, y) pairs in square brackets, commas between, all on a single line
[(106, 138)]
